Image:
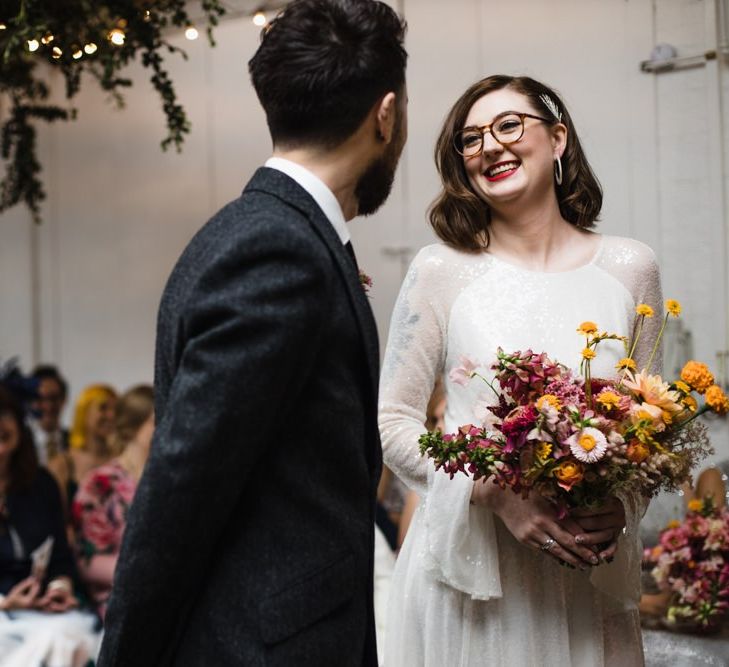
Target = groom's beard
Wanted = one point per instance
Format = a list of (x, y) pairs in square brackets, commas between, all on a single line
[(375, 184)]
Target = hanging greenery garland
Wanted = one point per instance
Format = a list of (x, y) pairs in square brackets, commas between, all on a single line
[(76, 36)]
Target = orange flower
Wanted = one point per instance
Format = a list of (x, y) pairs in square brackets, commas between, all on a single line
[(695, 505), (716, 399), (569, 473), (587, 328), (690, 403), (697, 376), (637, 452), (587, 353)]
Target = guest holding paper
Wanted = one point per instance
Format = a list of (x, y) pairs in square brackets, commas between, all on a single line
[(36, 564)]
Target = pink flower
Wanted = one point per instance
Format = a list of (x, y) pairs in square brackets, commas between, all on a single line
[(697, 526), (673, 539), (462, 374), (524, 374), (568, 390), (517, 425)]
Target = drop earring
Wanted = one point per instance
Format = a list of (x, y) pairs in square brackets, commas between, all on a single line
[(558, 170)]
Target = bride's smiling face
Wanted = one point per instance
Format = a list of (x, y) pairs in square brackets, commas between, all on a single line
[(502, 173)]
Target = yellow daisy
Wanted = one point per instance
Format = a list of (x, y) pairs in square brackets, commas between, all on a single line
[(644, 309), (626, 364), (673, 307)]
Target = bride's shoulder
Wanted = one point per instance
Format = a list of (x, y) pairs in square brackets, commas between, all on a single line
[(436, 257), (626, 252)]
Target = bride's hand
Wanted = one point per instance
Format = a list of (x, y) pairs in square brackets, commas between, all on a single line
[(601, 526), (533, 522)]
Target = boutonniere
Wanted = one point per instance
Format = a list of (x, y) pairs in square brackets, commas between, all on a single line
[(365, 281)]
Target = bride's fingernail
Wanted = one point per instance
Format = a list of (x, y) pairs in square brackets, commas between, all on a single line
[(594, 560), (579, 539)]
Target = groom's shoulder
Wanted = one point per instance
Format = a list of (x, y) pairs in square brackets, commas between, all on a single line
[(265, 214)]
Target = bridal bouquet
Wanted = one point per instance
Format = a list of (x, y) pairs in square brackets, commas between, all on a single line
[(691, 561), (577, 439)]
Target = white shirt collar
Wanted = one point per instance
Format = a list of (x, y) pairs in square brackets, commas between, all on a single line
[(318, 190)]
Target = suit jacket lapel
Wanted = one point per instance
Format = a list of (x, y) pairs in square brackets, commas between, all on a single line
[(281, 185)]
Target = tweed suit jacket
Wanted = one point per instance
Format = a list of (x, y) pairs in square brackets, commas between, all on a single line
[(250, 540)]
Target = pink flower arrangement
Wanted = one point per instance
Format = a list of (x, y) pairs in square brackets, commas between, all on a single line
[(576, 439), (691, 562)]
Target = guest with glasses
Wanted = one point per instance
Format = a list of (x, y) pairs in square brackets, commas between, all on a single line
[(49, 434), (481, 578), (50, 437)]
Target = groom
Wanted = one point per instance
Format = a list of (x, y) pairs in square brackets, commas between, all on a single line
[(250, 540)]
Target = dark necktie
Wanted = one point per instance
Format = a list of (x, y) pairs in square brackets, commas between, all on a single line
[(350, 250)]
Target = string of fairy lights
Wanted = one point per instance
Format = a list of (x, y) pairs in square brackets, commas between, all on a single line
[(99, 39), (116, 36)]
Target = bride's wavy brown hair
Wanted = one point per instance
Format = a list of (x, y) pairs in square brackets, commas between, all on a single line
[(459, 216)]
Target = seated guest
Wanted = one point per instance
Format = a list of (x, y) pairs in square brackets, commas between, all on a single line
[(36, 564), (104, 496), (51, 439), (712, 483), (49, 436), (93, 422)]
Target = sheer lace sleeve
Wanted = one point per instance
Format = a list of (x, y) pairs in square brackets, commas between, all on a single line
[(635, 265), (413, 359), (462, 549)]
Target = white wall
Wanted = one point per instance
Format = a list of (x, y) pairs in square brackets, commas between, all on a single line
[(120, 211)]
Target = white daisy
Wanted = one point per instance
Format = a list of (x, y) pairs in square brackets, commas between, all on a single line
[(588, 445)]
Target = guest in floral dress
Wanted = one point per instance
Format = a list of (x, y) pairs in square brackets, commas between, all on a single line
[(104, 496)]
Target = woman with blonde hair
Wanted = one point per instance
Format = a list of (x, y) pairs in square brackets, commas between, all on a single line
[(93, 422), (104, 496)]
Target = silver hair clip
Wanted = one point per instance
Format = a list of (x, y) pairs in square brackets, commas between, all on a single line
[(550, 104)]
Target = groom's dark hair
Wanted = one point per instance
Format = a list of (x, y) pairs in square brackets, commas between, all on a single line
[(322, 65)]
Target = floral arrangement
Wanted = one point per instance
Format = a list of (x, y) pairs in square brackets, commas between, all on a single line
[(691, 561), (365, 281), (577, 439)]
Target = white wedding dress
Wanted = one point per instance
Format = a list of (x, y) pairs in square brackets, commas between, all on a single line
[(464, 591)]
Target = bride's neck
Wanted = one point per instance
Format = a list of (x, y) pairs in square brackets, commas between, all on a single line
[(536, 239)]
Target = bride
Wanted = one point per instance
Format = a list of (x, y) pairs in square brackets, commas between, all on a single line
[(481, 578)]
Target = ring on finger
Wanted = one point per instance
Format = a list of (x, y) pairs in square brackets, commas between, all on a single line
[(549, 544)]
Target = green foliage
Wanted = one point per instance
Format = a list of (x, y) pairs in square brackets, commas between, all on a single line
[(74, 24)]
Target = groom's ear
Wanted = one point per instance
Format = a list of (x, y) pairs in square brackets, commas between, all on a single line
[(385, 117)]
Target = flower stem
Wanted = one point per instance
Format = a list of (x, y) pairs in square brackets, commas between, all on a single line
[(658, 340), (704, 408), (638, 328), (491, 386)]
